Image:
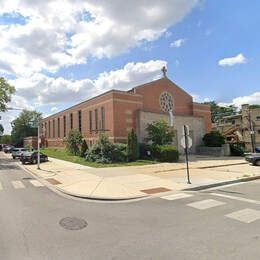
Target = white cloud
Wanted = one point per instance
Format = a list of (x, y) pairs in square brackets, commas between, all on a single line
[(251, 99), (54, 109), (57, 33), (178, 43), (239, 59)]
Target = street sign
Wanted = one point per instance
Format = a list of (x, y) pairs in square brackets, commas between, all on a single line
[(189, 142)]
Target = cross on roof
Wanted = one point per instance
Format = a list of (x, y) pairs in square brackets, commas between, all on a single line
[(164, 70)]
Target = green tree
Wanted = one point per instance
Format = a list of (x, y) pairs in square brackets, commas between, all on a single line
[(84, 148), (26, 124), (6, 139), (132, 148), (1, 129), (213, 139), (6, 91), (217, 112), (159, 133), (73, 141)]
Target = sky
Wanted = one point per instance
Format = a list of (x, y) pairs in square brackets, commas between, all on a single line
[(59, 52)]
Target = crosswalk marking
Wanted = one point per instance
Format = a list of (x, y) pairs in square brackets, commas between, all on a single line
[(36, 183), (18, 184), (206, 204), (176, 196), (245, 215)]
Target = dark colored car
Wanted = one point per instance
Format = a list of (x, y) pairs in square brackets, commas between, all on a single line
[(257, 149), (8, 149), (32, 157), (253, 158)]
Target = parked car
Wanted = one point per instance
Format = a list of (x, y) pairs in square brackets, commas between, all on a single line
[(257, 149), (17, 152), (253, 158), (32, 157), (8, 148)]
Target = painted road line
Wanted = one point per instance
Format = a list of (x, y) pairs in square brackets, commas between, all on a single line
[(176, 196), (236, 198), (18, 184), (245, 215), (36, 183), (206, 204)]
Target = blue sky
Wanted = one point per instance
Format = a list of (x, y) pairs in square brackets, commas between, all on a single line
[(61, 52)]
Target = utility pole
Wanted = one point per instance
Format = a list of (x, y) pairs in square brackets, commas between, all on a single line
[(38, 146)]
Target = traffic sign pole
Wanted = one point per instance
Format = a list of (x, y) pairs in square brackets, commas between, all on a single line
[(186, 152)]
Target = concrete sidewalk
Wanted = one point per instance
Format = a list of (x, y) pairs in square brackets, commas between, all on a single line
[(122, 183)]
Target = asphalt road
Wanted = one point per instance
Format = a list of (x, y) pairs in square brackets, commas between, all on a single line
[(156, 228)]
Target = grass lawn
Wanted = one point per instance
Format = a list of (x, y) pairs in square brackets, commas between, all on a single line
[(63, 155)]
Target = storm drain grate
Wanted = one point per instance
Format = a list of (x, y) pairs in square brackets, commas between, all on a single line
[(28, 178), (155, 190), (73, 223)]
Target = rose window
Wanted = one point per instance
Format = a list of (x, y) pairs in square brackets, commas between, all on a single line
[(166, 102)]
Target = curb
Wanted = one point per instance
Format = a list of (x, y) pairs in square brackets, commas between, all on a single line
[(213, 185), (101, 198)]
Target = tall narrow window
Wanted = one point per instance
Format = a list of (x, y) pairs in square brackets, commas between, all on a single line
[(79, 118), (102, 118), (96, 119), (71, 121), (64, 126), (49, 129), (53, 128), (58, 127), (90, 121), (45, 129)]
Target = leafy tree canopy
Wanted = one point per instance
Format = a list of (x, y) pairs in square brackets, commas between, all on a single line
[(159, 133), (73, 141), (218, 112), (6, 91), (26, 124)]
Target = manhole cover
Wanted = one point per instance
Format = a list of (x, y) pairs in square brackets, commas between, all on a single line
[(73, 223)]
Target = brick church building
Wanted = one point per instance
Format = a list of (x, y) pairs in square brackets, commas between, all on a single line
[(116, 112)]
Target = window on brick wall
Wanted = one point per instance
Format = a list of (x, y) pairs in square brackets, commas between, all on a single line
[(53, 128), (58, 127), (90, 121), (49, 129), (96, 119), (71, 121), (64, 126), (45, 129), (102, 118), (79, 118)]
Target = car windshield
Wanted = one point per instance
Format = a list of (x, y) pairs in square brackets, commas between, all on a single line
[(27, 153)]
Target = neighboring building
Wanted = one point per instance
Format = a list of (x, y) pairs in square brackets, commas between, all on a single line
[(242, 128), (31, 141), (117, 112)]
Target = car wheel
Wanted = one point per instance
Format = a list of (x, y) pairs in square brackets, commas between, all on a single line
[(13, 157), (257, 163), (34, 161)]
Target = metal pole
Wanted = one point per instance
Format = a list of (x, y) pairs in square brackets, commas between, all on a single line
[(251, 131), (38, 144), (186, 153)]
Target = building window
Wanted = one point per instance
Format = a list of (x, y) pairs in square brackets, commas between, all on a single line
[(53, 128), (258, 131), (64, 126), (45, 129), (79, 118), (58, 127), (258, 118), (96, 119), (90, 121), (102, 118), (49, 129), (71, 121)]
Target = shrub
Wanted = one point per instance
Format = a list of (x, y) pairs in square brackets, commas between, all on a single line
[(159, 133), (165, 153), (237, 150), (132, 149), (145, 151), (213, 139), (84, 148), (105, 152), (73, 141)]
